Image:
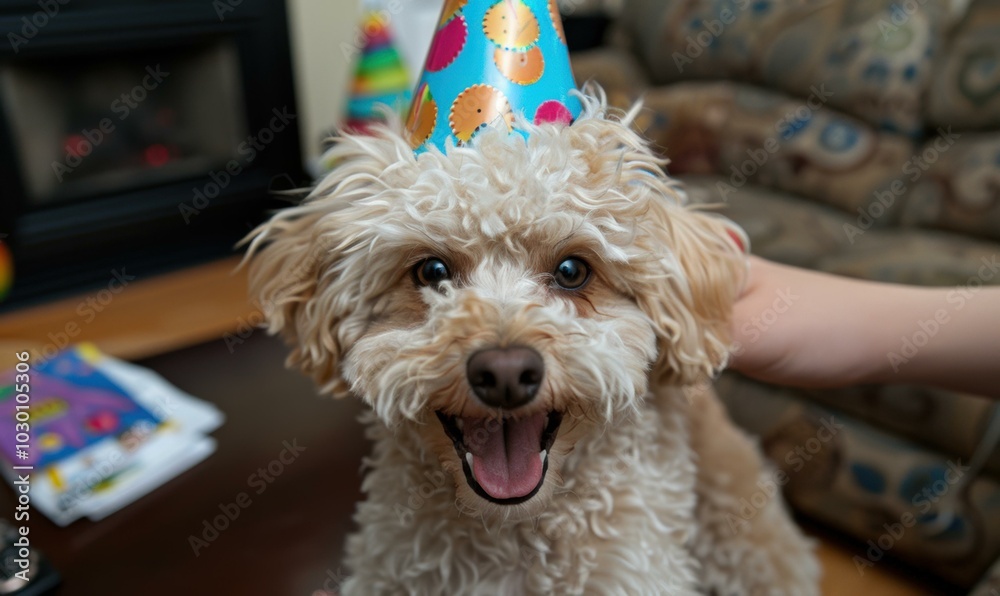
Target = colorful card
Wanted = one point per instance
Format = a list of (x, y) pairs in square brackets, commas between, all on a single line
[(73, 406), (103, 433)]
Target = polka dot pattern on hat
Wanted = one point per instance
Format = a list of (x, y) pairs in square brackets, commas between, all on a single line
[(490, 60)]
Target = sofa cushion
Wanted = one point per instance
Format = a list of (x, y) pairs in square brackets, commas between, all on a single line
[(781, 227), (966, 89), (786, 229), (919, 257), (752, 135), (873, 58), (947, 421), (882, 489), (957, 185)]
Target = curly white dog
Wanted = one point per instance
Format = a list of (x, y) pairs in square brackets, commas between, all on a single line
[(531, 322)]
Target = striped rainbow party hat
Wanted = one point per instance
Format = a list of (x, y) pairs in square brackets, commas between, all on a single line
[(379, 76)]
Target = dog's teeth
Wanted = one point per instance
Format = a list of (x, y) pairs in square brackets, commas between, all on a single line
[(460, 424), (542, 455), (468, 458)]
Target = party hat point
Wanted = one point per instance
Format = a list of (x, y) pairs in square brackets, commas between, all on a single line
[(488, 61)]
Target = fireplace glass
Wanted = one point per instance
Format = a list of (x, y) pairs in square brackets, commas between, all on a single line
[(85, 127)]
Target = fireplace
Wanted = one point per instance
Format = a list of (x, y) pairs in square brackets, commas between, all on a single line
[(138, 133)]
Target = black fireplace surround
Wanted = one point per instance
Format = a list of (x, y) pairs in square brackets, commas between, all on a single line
[(138, 134)]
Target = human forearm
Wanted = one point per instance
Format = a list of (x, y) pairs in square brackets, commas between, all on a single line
[(799, 327), (948, 337)]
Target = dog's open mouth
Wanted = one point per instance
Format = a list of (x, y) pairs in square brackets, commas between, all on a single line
[(505, 460)]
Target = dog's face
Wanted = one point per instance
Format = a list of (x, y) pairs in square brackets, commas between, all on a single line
[(503, 301)]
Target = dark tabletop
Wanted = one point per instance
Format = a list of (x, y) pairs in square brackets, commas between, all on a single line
[(287, 540)]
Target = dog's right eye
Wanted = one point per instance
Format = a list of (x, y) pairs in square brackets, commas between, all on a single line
[(571, 274), (431, 272)]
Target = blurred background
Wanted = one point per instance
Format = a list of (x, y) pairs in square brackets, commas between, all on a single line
[(141, 139)]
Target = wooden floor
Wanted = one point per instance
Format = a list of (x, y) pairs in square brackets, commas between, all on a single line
[(205, 303), (841, 577)]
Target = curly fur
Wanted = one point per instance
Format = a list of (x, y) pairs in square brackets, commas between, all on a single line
[(641, 485)]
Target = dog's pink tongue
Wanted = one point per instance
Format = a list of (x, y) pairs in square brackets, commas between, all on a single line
[(505, 458)]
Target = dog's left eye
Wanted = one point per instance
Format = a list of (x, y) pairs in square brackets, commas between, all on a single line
[(431, 272), (571, 274)]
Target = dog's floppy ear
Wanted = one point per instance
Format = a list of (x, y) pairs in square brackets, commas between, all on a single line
[(689, 287), (306, 273), (287, 257)]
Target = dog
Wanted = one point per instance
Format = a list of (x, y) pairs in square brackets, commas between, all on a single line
[(532, 321)]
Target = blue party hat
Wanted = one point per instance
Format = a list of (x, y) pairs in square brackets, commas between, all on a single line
[(489, 60)]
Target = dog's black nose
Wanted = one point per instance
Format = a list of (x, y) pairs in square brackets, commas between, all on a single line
[(506, 377)]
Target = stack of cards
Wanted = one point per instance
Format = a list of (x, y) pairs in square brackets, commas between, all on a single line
[(103, 433)]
